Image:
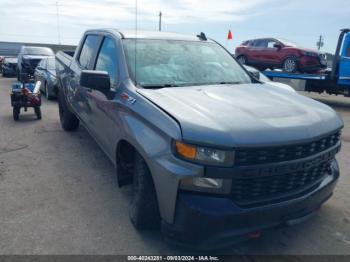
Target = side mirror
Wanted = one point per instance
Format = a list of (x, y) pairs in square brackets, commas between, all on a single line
[(98, 80), (278, 46)]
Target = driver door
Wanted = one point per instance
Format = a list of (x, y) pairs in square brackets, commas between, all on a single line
[(102, 109)]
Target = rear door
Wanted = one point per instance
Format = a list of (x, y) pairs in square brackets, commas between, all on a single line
[(344, 63), (258, 49)]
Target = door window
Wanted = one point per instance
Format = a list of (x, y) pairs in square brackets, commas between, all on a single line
[(271, 43), (88, 50), (107, 59), (260, 43)]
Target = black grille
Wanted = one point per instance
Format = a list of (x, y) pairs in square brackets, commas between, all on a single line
[(270, 189), (275, 154)]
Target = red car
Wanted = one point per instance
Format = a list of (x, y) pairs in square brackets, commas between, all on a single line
[(277, 53)]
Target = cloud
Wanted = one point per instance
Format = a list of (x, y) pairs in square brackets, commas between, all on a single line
[(123, 11), (38, 18)]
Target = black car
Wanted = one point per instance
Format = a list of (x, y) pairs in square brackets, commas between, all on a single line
[(28, 58), (9, 66), (46, 73)]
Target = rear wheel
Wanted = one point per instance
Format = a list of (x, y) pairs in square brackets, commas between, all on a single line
[(16, 112), (69, 121), (144, 212), (242, 60), (290, 65)]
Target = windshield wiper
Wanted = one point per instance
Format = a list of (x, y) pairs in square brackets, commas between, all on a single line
[(229, 83)]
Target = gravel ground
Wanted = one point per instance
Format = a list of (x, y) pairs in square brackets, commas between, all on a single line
[(58, 195)]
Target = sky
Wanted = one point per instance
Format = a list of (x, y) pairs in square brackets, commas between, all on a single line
[(301, 21)]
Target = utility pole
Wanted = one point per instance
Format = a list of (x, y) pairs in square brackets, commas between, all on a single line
[(320, 42), (160, 21), (58, 24)]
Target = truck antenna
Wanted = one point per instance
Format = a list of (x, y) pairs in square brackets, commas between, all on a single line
[(135, 67), (58, 23)]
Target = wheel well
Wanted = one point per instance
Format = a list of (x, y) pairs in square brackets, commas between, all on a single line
[(125, 162)]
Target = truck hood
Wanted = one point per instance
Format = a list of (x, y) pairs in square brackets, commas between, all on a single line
[(244, 115), (307, 50)]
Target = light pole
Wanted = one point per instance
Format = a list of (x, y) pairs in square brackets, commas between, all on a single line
[(320, 43), (58, 24), (160, 21)]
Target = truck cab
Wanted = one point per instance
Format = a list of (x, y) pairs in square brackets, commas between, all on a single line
[(344, 62)]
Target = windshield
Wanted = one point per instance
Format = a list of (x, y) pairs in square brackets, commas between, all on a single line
[(37, 51), (51, 63), (181, 63)]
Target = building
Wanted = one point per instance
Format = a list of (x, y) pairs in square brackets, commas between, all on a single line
[(13, 48)]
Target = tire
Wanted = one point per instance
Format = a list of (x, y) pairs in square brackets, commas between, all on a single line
[(37, 111), (290, 65), (16, 112), (242, 60), (69, 121), (144, 211)]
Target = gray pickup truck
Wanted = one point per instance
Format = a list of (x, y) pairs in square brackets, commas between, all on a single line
[(214, 155)]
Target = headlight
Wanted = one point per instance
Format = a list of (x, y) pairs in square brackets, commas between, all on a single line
[(204, 155)]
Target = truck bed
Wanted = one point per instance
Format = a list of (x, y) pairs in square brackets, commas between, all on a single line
[(64, 58)]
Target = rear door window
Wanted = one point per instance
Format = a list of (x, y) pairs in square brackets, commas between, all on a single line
[(261, 43), (88, 50)]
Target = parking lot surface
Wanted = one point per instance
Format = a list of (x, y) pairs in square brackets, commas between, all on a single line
[(59, 195)]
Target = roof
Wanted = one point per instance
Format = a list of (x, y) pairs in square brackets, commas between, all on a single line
[(142, 34)]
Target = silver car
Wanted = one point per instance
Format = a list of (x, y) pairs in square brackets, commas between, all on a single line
[(46, 73)]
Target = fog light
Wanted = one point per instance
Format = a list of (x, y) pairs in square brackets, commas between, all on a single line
[(207, 182)]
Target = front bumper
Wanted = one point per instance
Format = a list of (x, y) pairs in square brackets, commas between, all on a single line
[(207, 222), (311, 64)]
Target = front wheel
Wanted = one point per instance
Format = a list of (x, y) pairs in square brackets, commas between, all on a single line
[(144, 211), (290, 65)]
